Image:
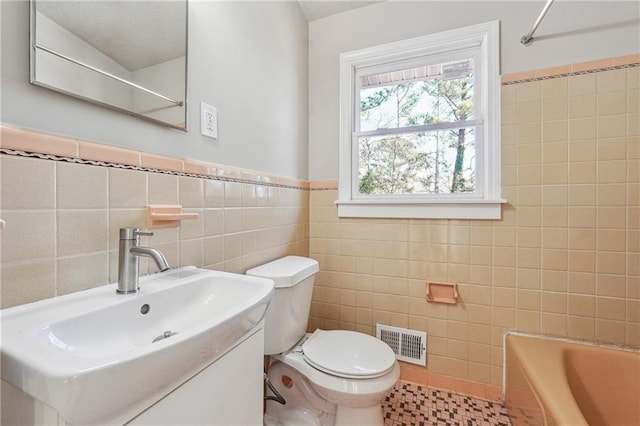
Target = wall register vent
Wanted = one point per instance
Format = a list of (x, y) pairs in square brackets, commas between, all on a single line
[(408, 345)]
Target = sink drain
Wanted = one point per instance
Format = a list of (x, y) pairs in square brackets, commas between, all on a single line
[(164, 336)]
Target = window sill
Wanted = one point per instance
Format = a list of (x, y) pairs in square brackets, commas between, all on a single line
[(460, 209)]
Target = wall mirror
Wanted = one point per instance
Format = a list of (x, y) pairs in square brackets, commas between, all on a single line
[(127, 55)]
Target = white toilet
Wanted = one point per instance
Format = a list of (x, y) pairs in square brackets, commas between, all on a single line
[(329, 377)]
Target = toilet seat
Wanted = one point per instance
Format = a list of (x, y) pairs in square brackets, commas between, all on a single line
[(348, 354)]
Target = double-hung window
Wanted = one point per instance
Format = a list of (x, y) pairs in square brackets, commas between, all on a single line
[(420, 127)]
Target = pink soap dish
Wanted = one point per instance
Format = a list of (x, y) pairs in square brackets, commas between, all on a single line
[(442, 293), (167, 216)]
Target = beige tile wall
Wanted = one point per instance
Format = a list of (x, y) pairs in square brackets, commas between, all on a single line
[(564, 260), (62, 222)]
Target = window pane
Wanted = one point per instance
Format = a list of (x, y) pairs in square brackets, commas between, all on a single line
[(417, 96), (419, 163)]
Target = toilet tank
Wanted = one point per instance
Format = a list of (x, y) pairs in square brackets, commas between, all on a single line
[(288, 313)]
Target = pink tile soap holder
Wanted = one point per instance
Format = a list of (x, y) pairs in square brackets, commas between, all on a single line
[(442, 293), (167, 216)]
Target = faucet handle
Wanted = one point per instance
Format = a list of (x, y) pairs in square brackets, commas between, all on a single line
[(133, 233), (143, 233)]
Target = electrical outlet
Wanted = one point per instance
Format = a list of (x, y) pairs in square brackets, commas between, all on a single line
[(208, 120)]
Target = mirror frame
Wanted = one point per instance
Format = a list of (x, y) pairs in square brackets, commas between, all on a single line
[(32, 74)]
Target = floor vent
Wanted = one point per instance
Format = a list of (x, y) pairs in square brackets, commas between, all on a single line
[(408, 345)]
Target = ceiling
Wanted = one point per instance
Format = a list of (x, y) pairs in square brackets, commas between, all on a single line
[(317, 9)]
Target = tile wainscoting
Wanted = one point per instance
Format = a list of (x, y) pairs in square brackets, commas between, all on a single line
[(63, 215)]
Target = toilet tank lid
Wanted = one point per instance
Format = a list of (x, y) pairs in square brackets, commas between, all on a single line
[(287, 271)]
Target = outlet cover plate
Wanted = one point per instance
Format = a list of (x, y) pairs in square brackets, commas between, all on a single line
[(208, 120)]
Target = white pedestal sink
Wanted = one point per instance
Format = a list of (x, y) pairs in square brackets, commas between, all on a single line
[(96, 356)]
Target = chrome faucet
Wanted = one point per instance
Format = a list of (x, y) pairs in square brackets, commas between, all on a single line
[(129, 259)]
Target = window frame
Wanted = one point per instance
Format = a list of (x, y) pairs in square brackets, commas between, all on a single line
[(485, 203)]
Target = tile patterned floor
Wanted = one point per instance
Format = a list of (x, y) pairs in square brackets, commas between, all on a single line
[(410, 404)]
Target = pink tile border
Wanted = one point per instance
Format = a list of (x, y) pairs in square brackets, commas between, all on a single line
[(323, 185), (109, 154), (551, 72), (200, 168), (24, 140), (160, 162), (591, 65), (17, 141), (573, 69), (517, 76), (625, 60), (230, 172)]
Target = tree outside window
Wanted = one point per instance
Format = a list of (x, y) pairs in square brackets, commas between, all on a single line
[(431, 162)]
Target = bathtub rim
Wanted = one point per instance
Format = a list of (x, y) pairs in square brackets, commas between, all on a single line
[(556, 339)]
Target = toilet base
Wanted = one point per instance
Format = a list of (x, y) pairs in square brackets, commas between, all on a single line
[(297, 416), (367, 416), (311, 405), (304, 407), (344, 416)]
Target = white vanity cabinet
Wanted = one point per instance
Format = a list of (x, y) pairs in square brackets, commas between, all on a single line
[(227, 392)]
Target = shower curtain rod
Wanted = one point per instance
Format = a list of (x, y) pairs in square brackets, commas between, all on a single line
[(527, 39)]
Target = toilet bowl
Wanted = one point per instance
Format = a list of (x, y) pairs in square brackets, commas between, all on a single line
[(334, 377)]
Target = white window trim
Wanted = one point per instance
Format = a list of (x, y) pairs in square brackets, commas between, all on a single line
[(488, 204)]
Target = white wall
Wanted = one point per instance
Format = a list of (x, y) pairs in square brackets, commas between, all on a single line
[(249, 59), (572, 32)]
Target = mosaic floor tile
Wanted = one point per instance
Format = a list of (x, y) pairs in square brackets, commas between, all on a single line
[(410, 404)]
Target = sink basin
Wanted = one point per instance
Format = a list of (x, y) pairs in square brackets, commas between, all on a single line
[(96, 356)]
